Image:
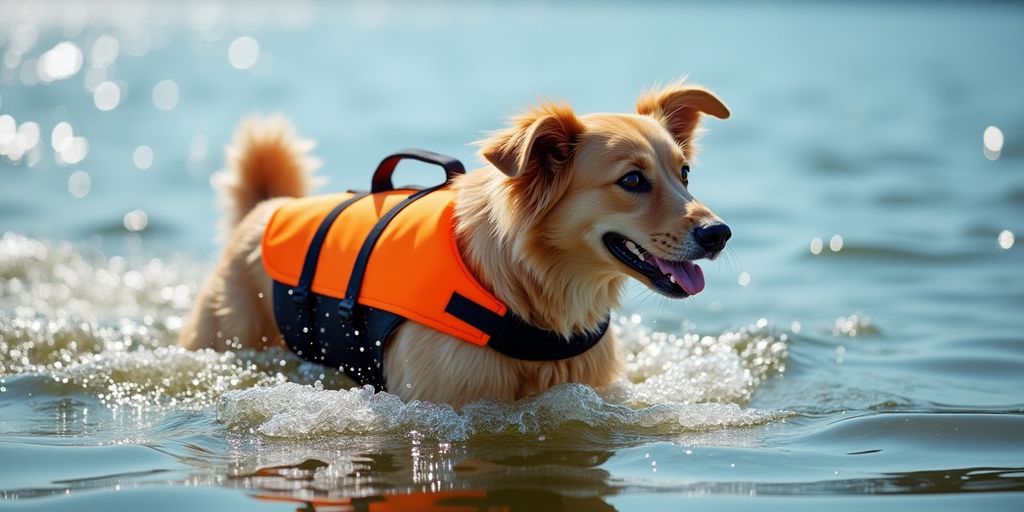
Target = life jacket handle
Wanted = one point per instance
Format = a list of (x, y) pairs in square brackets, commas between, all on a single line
[(382, 176)]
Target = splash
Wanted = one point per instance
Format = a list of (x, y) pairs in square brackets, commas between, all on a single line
[(693, 368), (108, 325), (290, 410)]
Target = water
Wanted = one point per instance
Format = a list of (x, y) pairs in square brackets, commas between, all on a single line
[(859, 346)]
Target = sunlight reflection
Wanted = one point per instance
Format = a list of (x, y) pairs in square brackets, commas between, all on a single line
[(60, 134), (816, 246), (744, 279), (142, 157), (79, 184), (165, 95), (244, 52), (836, 243), (993, 140), (107, 96), (1006, 239), (104, 51), (61, 62), (72, 150), (136, 220)]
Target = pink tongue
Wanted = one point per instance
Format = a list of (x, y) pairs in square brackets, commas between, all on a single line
[(688, 275)]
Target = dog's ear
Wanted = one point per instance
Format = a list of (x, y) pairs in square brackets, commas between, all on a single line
[(679, 108), (539, 143)]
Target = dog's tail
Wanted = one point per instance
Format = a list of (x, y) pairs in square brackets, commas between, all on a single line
[(266, 159)]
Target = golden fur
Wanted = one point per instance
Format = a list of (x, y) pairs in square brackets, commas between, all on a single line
[(529, 226)]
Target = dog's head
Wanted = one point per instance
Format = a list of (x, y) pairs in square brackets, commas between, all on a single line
[(609, 194)]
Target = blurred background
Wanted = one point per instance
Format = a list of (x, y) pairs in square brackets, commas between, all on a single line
[(885, 134), (872, 174)]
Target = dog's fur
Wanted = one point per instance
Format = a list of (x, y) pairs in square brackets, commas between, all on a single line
[(529, 226)]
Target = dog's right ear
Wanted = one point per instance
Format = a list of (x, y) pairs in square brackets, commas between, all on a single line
[(538, 145)]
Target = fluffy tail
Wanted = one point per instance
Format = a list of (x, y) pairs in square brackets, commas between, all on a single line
[(267, 159)]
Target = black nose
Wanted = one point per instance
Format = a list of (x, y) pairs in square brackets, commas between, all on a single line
[(712, 238)]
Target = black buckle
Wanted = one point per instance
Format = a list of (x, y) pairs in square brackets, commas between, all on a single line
[(345, 307)]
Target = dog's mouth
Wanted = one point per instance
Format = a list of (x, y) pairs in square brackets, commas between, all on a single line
[(672, 278)]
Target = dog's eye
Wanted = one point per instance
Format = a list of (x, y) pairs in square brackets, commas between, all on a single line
[(634, 181), (685, 174)]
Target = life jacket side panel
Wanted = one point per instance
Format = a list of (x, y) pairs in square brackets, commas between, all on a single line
[(414, 268), (291, 229)]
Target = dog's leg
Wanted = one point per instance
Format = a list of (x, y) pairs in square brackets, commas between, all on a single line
[(423, 364), (234, 308)]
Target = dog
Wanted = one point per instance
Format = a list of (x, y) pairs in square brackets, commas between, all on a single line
[(566, 208)]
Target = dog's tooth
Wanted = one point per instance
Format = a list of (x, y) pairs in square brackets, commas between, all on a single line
[(634, 249), (672, 278)]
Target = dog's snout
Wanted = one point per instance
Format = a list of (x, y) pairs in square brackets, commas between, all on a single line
[(712, 238)]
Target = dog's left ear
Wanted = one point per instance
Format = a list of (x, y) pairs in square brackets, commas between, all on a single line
[(539, 143), (679, 109)]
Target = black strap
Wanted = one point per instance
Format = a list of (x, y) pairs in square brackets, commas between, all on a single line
[(300, 294), (355, 280), (514, 337), (382, 176)]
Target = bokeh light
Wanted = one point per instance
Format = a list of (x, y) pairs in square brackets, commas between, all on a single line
[(993, 141), (244, 52), (136, 220), (63, 61), (1006, 239), (142, 157), (104, 51), (816, 246), (79, 184), (107, 96), (744, 279), (165, 95), (836, 243)]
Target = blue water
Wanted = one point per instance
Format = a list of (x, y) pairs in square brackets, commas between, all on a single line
[(860, 345)]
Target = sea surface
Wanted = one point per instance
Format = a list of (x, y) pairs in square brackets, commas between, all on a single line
[(859, 347)]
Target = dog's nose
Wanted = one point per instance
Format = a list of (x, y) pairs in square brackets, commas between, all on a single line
[(712, 238)]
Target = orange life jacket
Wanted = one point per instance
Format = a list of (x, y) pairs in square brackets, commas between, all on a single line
[(349, 268)]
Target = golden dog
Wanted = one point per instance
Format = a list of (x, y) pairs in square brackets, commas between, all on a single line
[(568, 206)]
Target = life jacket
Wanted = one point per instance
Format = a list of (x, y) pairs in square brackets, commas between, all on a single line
[(349, 268)]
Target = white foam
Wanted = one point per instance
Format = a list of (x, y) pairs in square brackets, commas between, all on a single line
[(294, 411)]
